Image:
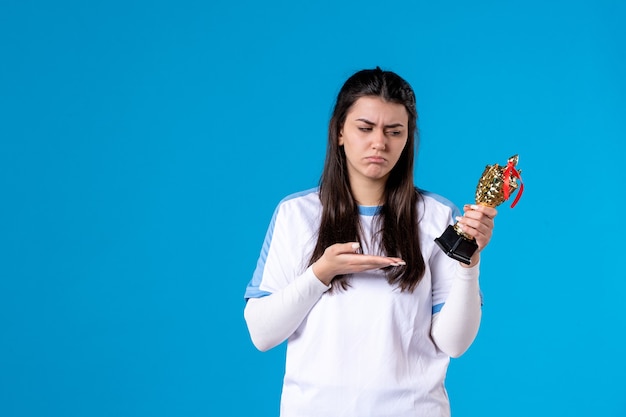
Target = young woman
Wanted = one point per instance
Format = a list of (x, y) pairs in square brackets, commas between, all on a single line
[(350, 275)]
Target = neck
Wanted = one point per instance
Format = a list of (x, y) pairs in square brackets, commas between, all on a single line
[(368, 193)]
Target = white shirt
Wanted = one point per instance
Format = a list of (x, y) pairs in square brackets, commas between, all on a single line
[(365, 351)]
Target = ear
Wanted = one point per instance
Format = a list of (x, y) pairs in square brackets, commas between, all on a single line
[(340, 138)]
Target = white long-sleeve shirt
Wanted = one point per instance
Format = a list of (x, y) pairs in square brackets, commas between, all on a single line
[(371, 349)]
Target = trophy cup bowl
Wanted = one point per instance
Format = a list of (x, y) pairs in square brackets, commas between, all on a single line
[(494, 187)]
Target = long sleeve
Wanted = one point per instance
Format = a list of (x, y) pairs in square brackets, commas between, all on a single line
[(273, 318), (455, 327)]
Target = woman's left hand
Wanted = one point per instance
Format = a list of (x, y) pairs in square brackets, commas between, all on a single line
[(477, 222)]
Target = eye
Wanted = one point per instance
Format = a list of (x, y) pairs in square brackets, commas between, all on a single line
[(365, 129), (394, 132)]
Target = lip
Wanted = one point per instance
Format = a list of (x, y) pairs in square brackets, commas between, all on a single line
[(375, 159)]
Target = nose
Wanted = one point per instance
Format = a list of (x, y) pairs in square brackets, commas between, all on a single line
[(379, 141)]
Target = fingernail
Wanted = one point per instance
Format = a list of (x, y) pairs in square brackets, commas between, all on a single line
[(356, 245), (474, 207), (401, 263), (458, 218)]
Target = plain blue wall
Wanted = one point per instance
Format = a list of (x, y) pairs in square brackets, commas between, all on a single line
[(144, 145)]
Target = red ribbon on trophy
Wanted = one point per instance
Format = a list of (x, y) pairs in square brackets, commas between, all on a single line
[(508, 171)]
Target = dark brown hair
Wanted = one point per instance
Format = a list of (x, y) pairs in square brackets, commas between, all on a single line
[(397, 218)]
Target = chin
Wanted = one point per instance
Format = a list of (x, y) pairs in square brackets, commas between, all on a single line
[(378, 177)]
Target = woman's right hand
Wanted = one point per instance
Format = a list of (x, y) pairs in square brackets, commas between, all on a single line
[(344, 258)]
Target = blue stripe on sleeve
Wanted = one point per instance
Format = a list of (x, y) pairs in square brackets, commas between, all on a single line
[(253, 290), (437, 308)]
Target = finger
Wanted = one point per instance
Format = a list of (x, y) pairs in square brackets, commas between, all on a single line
[(481, 230), (475, 214), (480, 222), (482, 239), (380, 261), (373, 261), (340, 248), (490, 212), (356, 247)]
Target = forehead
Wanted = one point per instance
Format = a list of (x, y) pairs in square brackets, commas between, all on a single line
[(375, 109)]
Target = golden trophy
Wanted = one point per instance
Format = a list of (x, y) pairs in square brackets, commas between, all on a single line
[(494, 187)]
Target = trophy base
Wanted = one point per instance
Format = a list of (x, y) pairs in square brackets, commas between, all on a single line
[(456, 246)]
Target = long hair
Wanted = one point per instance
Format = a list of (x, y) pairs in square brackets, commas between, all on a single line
[(397, 218)]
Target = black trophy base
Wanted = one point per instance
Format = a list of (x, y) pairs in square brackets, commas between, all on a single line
[(456, 246)]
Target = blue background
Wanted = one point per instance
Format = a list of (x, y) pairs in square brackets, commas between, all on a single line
[(144, 146)]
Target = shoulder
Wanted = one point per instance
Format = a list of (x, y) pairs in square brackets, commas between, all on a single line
[(301, 200), (310, 196), (301, 204), (436, 205)]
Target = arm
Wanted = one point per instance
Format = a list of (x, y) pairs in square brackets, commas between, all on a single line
[(272, 319), (455, 327)]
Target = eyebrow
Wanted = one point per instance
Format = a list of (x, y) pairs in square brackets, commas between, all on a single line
[(374, 124)]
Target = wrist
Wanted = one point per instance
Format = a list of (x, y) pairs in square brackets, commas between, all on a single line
[(474, 260), (321, 272)]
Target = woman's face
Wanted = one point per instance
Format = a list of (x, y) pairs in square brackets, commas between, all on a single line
[(373, 136)]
